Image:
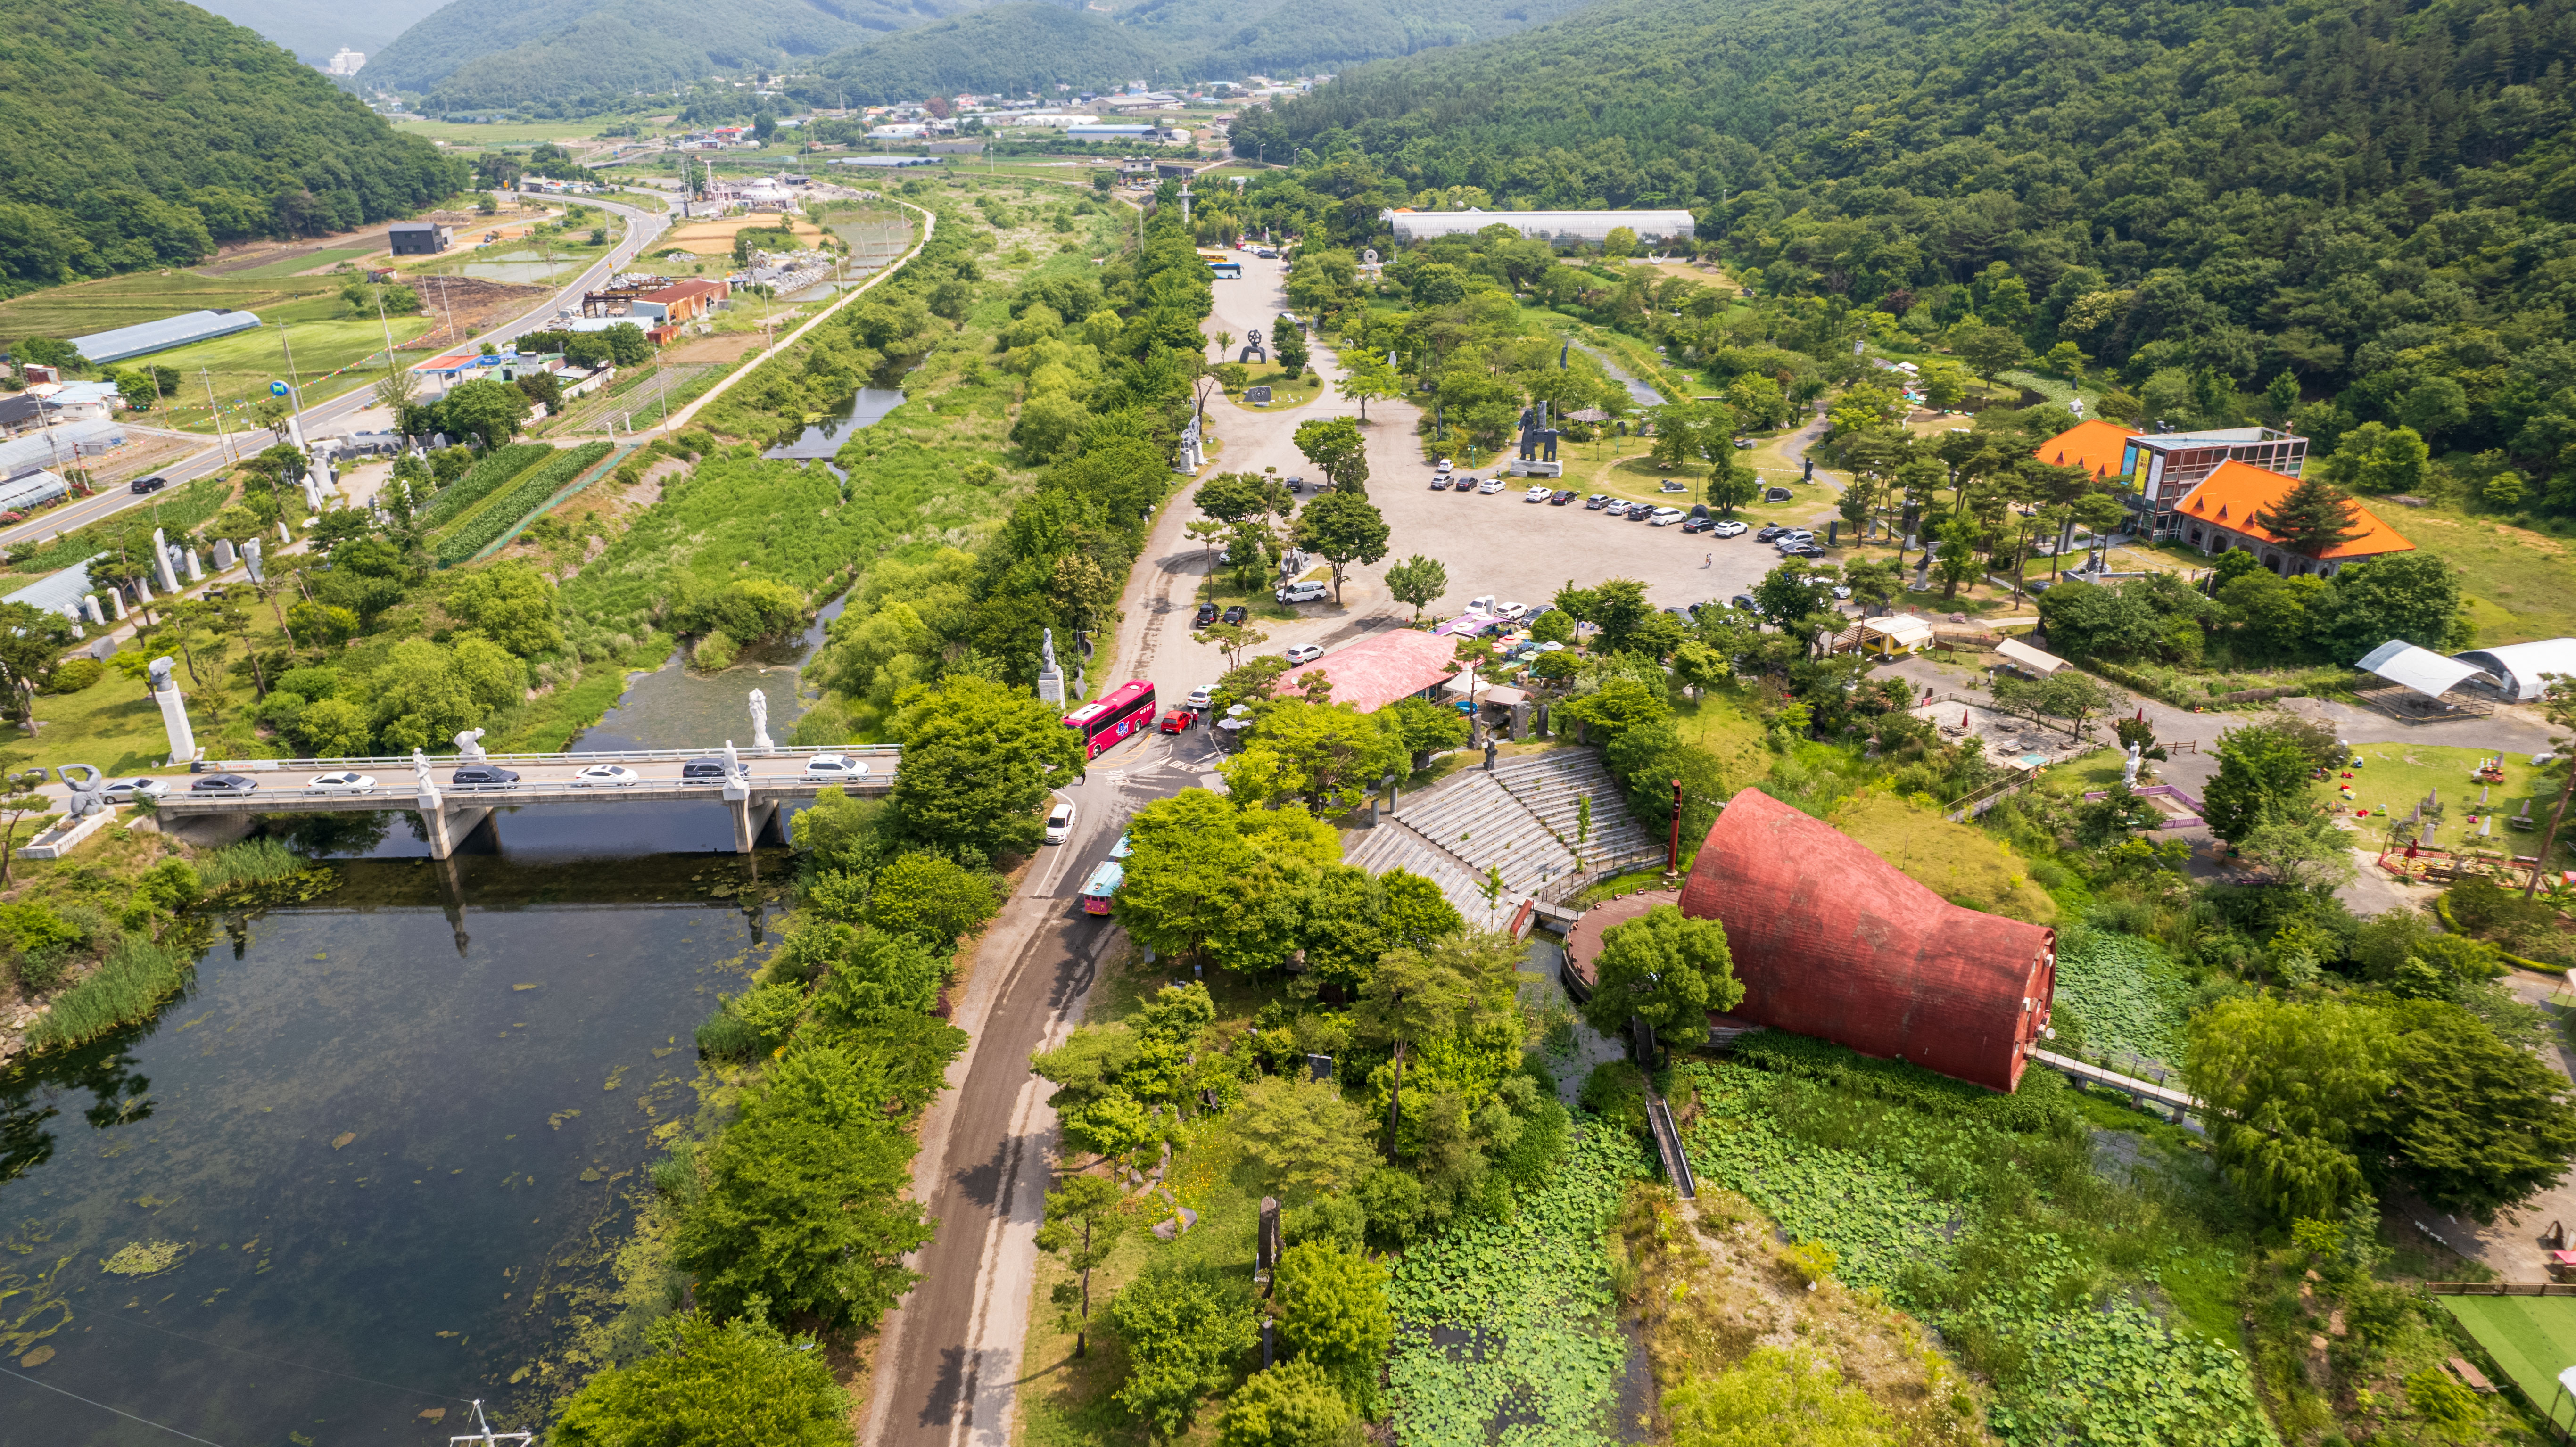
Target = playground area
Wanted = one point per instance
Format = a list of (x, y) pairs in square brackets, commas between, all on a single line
[(2532, 1338)]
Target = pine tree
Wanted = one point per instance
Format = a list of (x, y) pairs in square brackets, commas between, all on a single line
[(2312, 519)]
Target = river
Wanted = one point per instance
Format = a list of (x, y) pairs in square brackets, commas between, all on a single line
[(379, 1159)]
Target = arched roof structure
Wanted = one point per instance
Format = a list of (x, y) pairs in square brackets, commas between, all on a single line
[(1832, 941)]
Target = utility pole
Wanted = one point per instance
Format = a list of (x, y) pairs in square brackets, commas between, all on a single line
[(223, 439)]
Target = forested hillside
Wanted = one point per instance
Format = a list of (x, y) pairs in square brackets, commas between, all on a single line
[(142, 132), (2372, 201), (1015, 48), (581, 53)]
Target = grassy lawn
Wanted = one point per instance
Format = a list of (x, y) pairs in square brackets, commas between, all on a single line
[(317, 260), (1283, 393), (505, 133), (117, 301), (1963, 865), (1719, 723), (2396, 777), (2527, 1335), (332, 355), (2516, 579)]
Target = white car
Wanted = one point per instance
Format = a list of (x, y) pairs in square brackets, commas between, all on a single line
[(1664, 517), (598, 775), (1305, 653), (1614, 508), (834, 768), (1490, 486), (1201, 697), (1538, 494), (1513, 612), (1059, 824), (1445, 467), (1842, 592), (1797, 537), (126, 791), (344, 782), (1729, 528)]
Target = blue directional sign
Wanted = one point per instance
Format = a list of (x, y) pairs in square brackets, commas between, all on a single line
[(277, 389)]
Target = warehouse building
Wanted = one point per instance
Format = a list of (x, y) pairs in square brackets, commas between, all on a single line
[(418, 238), (1589, 228), (143, 338)]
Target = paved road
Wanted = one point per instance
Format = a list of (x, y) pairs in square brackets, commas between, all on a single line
[(641, 228), (949, 1367)]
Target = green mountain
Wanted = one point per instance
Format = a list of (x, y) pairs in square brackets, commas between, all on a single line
[(315, 29), (139, 133), (2375, 201), (1019, 47), (569, 53)]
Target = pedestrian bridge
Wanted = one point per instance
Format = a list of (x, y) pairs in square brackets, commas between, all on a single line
[(763, 782)]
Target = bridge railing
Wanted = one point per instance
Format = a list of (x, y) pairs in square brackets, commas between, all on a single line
[(403, 793), (448, 761)]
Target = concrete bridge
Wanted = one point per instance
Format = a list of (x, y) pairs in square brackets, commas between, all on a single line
[(764, 782)]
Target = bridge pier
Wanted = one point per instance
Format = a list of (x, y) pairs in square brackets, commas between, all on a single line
[(751, 820), (448, 824)]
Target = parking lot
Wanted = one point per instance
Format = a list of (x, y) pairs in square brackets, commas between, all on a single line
[(1496, 544)]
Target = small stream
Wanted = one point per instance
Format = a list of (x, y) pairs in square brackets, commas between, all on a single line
[(672, 707), (820, 441)]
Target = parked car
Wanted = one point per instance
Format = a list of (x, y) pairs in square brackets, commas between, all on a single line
[(1596, 502), (1059, 824), (1538, 494), (1490, 486), (1305, 590), (1439, 482), (1743, 601), (222, 784), (143, 485), (1767, 532), (126, 791), (1614, 508), (1562, 496), (1466, 487), (484, 776), (1700, 524), (1802, 550), (834, 768), (613, 776), (1295, 484), (1729, 528), (702, 769), (1179, 720), (1514, 612), (1201, 697), (1305, 653), (346, 781), (1640, 511), (1842, 591), (1664, 517), (1444, 467), (1236, 614), (1267, 253)]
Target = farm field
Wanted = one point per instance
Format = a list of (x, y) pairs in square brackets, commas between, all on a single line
[(118, 301), (331, 356)]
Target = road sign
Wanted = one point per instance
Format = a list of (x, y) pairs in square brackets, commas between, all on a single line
[(277, 389)]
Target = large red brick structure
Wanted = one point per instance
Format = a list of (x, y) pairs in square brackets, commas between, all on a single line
[(1832, 941)]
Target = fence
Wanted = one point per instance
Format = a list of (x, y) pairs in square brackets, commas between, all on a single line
[(2501, 1288)]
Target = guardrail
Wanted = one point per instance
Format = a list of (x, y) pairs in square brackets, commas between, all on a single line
[(631, 756), (401, 794)]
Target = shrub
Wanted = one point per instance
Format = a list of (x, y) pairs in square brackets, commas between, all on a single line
[(714, 653), (248, 862), (74, 675), (727, 1036), (133, 981), (1183, 1333)]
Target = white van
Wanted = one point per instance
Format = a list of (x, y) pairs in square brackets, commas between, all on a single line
[(1312, 590)]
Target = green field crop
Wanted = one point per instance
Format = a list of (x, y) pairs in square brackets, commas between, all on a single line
[(479, 527), (480, 481), (121, 301)]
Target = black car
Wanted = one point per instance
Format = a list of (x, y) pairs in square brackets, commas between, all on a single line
[(1237, 614), (1440, 482), (1205, 616), (222, 784), (1563, 495), (1802, 550), (1467, 487), (706, 768), (1295, 484), (1638, 512), (1699, 524), (482, 776), (1743, 601), (1767, 532), (143, 485)]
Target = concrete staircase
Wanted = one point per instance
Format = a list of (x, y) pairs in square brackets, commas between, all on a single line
[(1553, 784), (1475, 818), (1518, 821), (1391, 844)]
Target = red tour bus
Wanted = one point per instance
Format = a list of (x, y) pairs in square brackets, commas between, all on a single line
[(1113, 716)]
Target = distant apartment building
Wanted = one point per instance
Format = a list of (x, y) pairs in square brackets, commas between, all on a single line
[(346, 62)]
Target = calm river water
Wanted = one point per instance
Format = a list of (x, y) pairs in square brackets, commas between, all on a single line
[(380, 1159)]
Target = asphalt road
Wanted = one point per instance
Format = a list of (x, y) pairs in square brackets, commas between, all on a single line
[(641, 228), (948, 1372)]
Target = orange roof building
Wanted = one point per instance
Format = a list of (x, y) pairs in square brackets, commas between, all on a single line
[(2100, 447), (2218, 516), (2156, 470)]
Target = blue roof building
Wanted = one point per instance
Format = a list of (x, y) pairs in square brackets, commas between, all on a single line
[(160, 336)]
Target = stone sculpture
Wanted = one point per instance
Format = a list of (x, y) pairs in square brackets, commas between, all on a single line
[(1050, 674), (174, 712), (89, 795), (2129, 770), (760, 721), (253, 563), (469, 746), (420, 772)]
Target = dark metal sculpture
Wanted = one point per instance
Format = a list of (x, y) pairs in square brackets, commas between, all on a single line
[(1252, 348), (1537, 435)]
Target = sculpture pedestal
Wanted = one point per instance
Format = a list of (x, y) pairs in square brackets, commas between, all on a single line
[(1522, 467)]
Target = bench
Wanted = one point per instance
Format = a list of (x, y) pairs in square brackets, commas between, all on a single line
[(2470, 1377)]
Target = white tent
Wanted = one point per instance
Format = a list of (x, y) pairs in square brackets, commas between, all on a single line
[(2029, 659), (2517, 667), (2420, 669)]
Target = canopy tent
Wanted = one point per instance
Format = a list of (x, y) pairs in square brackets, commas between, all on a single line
[(2420, 669), (2517, 668), (1896, 633), (2029, 659)]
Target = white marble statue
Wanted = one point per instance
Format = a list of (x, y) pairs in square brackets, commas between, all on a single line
[(2129, 770), (469, 746), (420, 772), (760, 721), (734, 769)]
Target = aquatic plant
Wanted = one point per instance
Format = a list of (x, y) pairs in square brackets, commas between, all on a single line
[(250, 861), (137, 975), (144, 1258)]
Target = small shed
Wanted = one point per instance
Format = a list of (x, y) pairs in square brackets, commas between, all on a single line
[(2035, 662), (1895, 634)]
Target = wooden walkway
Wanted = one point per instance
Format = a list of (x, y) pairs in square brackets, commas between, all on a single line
[(2140, 1092)]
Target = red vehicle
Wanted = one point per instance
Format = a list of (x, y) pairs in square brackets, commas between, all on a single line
[(1106, 720), (1180, 720)]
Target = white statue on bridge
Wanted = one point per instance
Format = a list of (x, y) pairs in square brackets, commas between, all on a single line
[(469, 746), (734, 769), (420, 771), (760, 721)]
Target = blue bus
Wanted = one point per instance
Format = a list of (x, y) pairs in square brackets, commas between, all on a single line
[(1103, 887)]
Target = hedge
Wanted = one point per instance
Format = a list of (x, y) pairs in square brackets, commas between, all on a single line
[(478, 532), (497, 467)]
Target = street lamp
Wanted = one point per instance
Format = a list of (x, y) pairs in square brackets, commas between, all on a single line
[(295, 420)]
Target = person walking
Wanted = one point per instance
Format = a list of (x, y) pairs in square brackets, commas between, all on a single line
[(1708, 561)]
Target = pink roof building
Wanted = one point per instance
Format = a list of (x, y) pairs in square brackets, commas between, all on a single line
[(1368, 676)]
